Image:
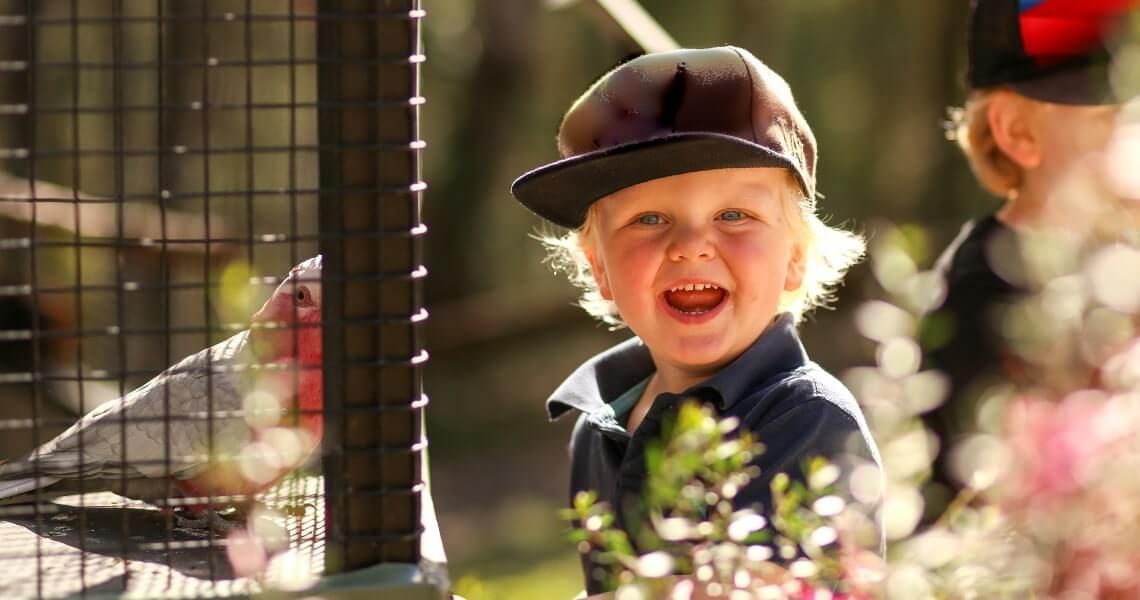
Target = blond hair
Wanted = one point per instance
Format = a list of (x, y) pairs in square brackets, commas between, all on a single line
[(828, 252), (970, 128)]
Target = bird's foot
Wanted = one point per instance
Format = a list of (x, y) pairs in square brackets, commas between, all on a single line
[(297, 510), (242, 511), (206, 519)]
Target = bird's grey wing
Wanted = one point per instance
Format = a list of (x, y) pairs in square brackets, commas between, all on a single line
[(161, 428)]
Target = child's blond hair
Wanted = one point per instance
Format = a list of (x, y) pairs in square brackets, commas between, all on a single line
[(828, 253), (970, 128)]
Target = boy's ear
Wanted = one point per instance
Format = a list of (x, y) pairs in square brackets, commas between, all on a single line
[(797, 264), (598, 270), (1011, 124)]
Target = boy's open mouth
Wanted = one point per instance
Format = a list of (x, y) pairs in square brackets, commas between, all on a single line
[(695, 298)]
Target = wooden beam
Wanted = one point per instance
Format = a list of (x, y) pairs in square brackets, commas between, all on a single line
[(630, 20), (54, 206)]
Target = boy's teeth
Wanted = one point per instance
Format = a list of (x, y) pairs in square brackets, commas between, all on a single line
[(694, 287)]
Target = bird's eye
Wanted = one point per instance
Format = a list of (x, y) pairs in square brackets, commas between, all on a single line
[(302, 296)]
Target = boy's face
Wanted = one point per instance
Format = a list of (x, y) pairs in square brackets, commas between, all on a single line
[(1075, 144), (1073, 138), (726, 231), (1068, 155)]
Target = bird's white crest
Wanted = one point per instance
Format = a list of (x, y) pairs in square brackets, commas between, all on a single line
[(309, 269)]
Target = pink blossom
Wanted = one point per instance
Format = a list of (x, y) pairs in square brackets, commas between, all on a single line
[(1054, 443)]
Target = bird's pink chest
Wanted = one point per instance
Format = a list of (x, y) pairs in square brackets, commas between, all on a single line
[(301, 395), (311, 402)]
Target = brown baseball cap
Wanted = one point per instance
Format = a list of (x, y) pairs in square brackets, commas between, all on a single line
[(665, 114)]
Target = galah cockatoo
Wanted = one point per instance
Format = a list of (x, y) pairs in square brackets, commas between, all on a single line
[(262, 387)]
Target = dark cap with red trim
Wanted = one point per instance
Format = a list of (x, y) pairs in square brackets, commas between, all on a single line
[(1056, 51)]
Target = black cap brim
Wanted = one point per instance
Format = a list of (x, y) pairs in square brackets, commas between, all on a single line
[(1090, 85), (562, 191)]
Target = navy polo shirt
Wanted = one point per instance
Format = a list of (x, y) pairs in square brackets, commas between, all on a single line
[(789, 403)]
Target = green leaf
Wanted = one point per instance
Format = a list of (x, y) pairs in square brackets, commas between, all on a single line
[(584, 500), (780, 483)]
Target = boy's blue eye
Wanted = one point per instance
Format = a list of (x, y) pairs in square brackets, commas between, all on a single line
[(732, 215), (649, 219)]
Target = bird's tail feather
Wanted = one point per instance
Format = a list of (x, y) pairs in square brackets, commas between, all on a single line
[(15, 487)]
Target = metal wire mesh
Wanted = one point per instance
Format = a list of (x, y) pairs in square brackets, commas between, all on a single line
[(164, 164)]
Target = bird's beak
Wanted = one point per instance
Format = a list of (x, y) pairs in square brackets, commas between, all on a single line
[(270, 335)]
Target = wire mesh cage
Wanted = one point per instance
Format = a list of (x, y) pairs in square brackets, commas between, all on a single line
[(210, 276)]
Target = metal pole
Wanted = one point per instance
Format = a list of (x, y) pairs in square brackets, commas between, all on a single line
[(368, 87)]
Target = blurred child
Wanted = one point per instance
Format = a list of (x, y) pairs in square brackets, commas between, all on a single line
[(1044, 103), (688, 181)]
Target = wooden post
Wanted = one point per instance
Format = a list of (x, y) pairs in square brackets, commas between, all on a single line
[(368, 78)]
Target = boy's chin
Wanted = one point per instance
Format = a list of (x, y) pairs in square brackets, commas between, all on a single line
[(712, 350), (705, 352)]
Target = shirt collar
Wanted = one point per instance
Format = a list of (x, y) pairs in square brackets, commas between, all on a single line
[(609, 374), (605, 376)]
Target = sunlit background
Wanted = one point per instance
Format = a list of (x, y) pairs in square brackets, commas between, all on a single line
[(874, 80)]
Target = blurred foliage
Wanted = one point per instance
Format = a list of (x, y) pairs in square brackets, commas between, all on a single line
[(688, 534), (1048, 508)]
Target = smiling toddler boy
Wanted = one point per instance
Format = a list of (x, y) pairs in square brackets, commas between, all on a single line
[(688, 184)]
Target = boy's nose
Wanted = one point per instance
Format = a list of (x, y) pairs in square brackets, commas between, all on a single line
[(691, 244)]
